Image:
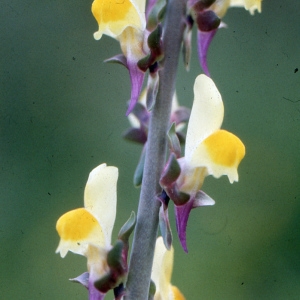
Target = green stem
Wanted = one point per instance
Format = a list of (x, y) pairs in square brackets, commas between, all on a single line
[(141, 258)]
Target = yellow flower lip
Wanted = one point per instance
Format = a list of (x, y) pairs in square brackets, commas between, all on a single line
[(91, 226), (77, 225), (114, 16), (225, 148), (208, 146)]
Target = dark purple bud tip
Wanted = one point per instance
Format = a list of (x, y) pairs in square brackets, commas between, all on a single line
[(119, 291), (136, 135), (154, 39), (115, 258), (106, 283), (207, 21), (203, 4), (145, 62)]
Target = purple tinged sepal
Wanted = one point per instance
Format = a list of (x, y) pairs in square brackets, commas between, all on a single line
[(115, 255), (127, 228), (168, 179), (173, 140), (164, 224), (170, 172), (156, 52), (117, 262), (118, 59), (202, 199), (123, 236), (83, 279)]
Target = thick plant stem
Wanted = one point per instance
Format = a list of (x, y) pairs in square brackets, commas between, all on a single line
[(137, 286)]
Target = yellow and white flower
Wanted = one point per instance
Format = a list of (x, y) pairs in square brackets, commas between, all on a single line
[(125, 21), (162, 272), (87, 231), (209, 150)]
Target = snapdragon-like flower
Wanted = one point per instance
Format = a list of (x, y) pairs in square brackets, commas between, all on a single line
[(162, 272), (209, 150), (125, 21), (87, 231), (207, 14)]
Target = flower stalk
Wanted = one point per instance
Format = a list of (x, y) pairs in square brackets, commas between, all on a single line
[(141, 259)]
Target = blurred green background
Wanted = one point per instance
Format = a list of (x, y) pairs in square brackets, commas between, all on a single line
[(63, 113)]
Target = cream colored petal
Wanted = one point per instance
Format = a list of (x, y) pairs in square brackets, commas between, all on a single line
[(78, 229), (132, 42), (140, 4), (176, 294), (175, 104), (206, 115), (97, 262), (114, 16), (220, 154), (220, 7), (191, 178), (162, 269), (100, 197), (250, 5)]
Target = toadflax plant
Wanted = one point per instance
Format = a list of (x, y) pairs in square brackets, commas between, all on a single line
[(151, 36)]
